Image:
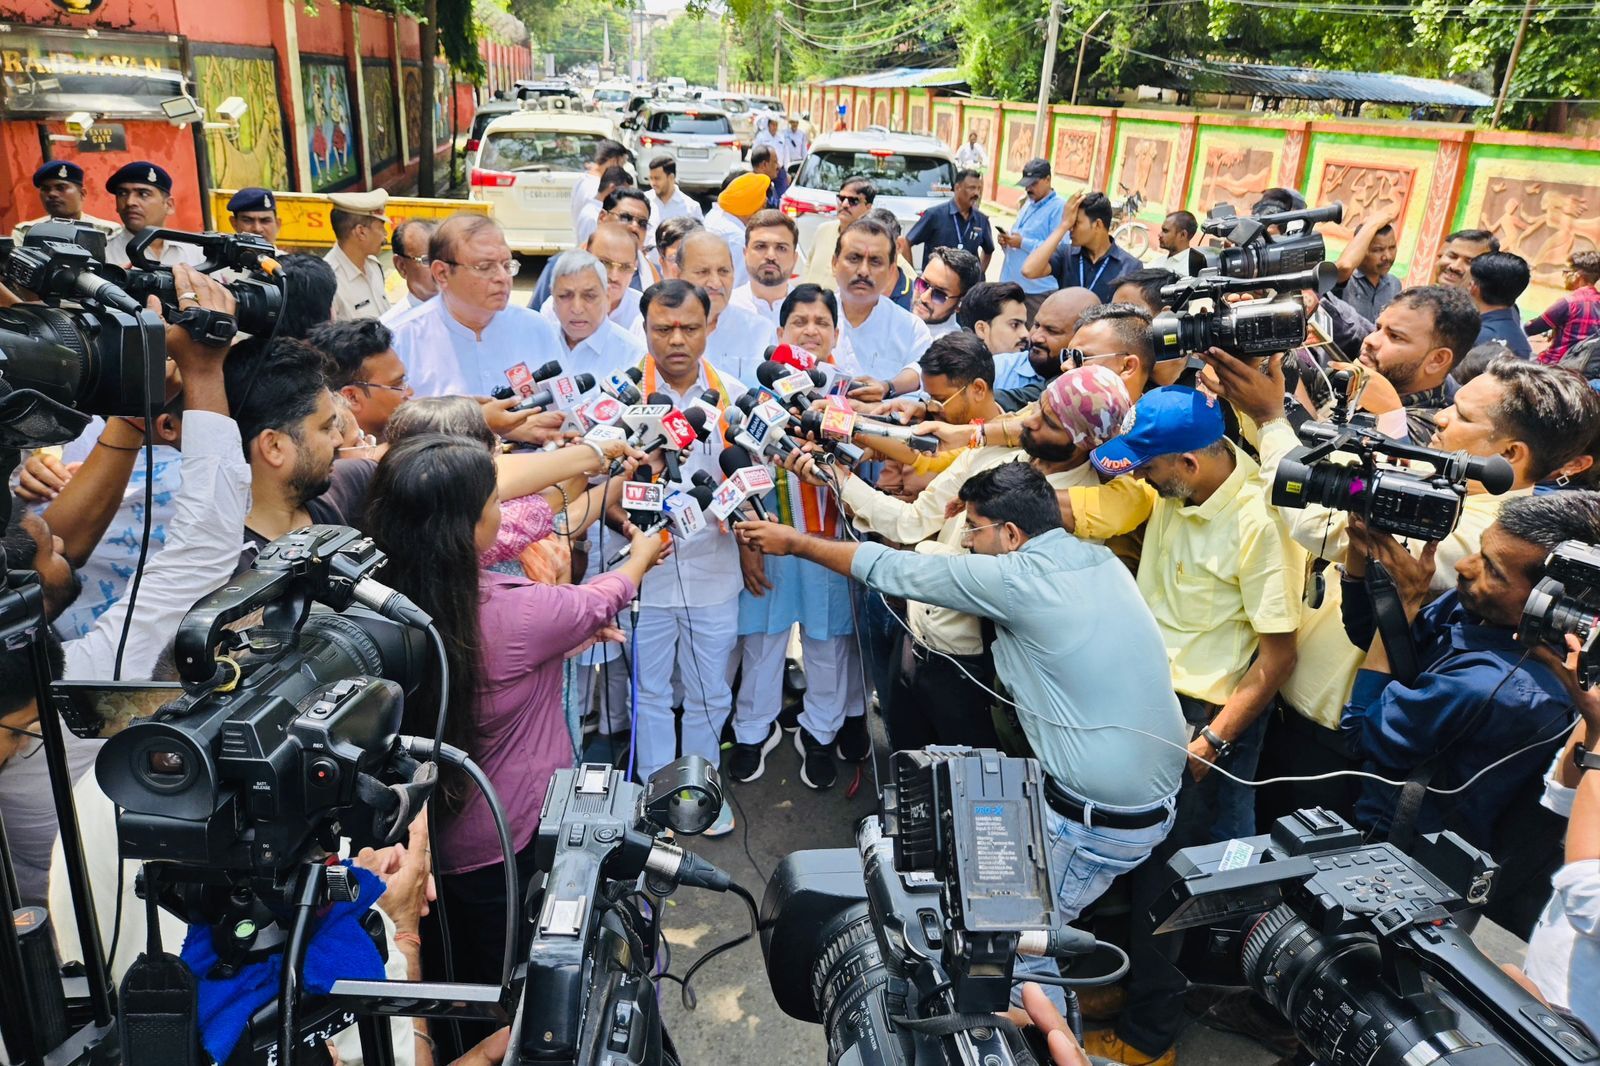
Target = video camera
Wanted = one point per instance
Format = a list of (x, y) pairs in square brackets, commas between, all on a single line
[(1257, 253), (1566, 600), (1357, 946), (1387, 497), (286, 736), (589, 996), (257, 285), (904, 947), (1255, 327)]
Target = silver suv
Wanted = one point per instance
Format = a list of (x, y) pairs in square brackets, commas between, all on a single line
[(699, 137), (911, 172)]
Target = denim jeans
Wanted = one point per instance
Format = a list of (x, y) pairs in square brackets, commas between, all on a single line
[(1236, 803), (1085, 859)]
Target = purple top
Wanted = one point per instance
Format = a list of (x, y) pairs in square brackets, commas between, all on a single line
[(522, 730)]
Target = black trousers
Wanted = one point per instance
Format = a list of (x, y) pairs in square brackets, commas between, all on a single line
[(1296, 746), (935, 703)]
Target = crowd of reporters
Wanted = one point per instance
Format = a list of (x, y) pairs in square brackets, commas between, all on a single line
[(1086, 566)]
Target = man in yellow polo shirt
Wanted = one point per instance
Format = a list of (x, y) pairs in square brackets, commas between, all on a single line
[(1224, 582)]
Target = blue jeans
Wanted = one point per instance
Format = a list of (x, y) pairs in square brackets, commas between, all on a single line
[(1236, 803), (1084, 860)]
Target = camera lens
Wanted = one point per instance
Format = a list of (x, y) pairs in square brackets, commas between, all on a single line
[(169, 765), (846, 985)]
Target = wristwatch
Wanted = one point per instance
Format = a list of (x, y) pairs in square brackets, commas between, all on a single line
[(1223, 746), (1584, 759)]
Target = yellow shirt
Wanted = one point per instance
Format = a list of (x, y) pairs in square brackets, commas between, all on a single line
[(1325, 669), (1216, 575), (1114, 512)]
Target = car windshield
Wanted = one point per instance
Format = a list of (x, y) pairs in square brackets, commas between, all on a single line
[(688, 122), (727, 103), (611, 96), (775, 106), (893, 174), (538, 150)]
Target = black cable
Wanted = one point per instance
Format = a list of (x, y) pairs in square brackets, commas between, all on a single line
[(1082, 982), (116, 918), (149, 506), (688, 996)]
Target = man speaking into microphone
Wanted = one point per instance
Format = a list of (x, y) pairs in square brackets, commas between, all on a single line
[(1088, 725), (689, 606)]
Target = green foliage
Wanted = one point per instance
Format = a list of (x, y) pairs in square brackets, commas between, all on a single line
[(686, 48), (575, 29)]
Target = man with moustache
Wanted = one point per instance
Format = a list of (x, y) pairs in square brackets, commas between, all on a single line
[(855, 198), (255, 210), (143, 193), (60, 185), (948, 274), (885, 340), (591, 343), (771, 248), (1416, 342), (410, 243), (995, 312), (735, 337)]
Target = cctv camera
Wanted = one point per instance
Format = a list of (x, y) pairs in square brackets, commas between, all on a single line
[(232, 109), (79, 123)]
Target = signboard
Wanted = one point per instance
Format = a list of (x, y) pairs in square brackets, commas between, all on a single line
[(305, 216), (109, 137), (112, 75)]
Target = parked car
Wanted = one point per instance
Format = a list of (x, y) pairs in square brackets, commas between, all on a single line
[(612, 96), (700, 138), (526, 167), (912, 173), (739, 114)]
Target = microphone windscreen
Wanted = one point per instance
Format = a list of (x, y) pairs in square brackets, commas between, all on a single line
[(818, 378), (659, 398), (733, 417), (584, 383), (703, 493), (769, 372), (696, 417), (748, 402), (1494, 472), (811, 423), (712, 397), (634, 374), (701, 479), (549, 370), (732, 460)]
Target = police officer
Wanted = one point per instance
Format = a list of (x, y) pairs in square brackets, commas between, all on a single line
[(143, 193), (361, 230), (255, 210), (60, 185)]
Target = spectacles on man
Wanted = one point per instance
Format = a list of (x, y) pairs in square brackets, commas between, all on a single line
[(489, 267), (614, 267), (935, 294), (966, 534), (1074, 358), (400, 386), (34, 743), (847, 200), (421, 260), (936, 406), (638, 221)]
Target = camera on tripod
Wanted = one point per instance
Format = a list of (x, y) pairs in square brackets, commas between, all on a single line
[(1386, 496), (1566, 600), (1254, 327), (904, 947), (1356, 944), (1256, 253)]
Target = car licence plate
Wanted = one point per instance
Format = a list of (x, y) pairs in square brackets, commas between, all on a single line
[(537, 193), (694, 153)]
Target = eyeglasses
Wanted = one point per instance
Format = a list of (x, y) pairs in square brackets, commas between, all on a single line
[(489, 267), (846, 200), (632, 220), (400, 386), (35, 740), (422, 259), (1077, 357), (614, 267), (966, 534), (935, 294), (938, 406)]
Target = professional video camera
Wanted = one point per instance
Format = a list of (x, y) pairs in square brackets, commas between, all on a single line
[(904, 947), (1257, 253), (89, 349), (1566, 600), (588, 996), (256, 282), (1357, 946), (1255, 327), (1387, 497)]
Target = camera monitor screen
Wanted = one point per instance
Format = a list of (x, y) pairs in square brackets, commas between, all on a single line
[(98, 710)]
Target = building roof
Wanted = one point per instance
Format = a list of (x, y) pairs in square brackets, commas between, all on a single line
[(1304, 83), (903, 78)]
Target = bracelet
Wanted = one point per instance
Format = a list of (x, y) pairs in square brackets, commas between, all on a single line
[(599, 453), (420, 1035), (401, 937), (101, 443), (979, 434)]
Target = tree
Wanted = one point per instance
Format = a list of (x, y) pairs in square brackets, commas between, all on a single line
[(686, 48)]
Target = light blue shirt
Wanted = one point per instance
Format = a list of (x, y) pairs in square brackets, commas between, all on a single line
[(1063, 609), (444, 358), (1013, 370), (1036, 221)]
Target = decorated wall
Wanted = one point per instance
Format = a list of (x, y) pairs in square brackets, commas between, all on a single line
[(1373, 177), (257, 153), (329, 123)]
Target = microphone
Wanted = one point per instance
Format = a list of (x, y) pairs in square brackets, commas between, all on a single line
[(842, 425), (622, 385), (732, 463), (788, 385), (711, 397), (1493, 471), (792, 356), (548, 371), (815, 424), (579, 383), (684, 518), (765, 433)]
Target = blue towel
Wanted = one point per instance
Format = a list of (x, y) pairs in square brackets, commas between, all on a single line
[(340, 949)]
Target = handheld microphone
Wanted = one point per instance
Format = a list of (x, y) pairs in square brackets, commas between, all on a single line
[(764, 434), (816, 424), (785, 383), (846, 425), (579, 384), (622, 385), (684, 518), (548, 371), (792, 356), (732, 463)]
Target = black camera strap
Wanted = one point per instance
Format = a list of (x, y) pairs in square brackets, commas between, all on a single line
[(205, 326), (1393, 626), (951, 1024)]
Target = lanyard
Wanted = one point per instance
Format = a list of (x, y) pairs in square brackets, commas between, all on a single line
[(961, 238), (1082, 255)]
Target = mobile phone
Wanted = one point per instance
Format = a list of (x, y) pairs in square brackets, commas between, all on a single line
[(98, 710)]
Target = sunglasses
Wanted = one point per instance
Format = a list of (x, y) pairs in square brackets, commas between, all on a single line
[(935, 294), (851, 201), (1074, 358)]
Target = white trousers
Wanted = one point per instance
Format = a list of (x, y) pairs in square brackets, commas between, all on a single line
[(695, 643), (833, 684), (604, 686)]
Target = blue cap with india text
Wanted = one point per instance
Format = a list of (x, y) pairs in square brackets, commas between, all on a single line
[(58, 170), (251, 199), (1166, 421)]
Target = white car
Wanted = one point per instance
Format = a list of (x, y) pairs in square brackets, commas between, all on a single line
[(612, 96), (525, 169), (911, 173), (700, 138)]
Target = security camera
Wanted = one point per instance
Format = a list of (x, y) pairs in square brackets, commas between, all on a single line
[(79, 123), (232, 109)]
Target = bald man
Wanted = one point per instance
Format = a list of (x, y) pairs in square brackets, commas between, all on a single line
[(1026, 373), (737, 336)]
